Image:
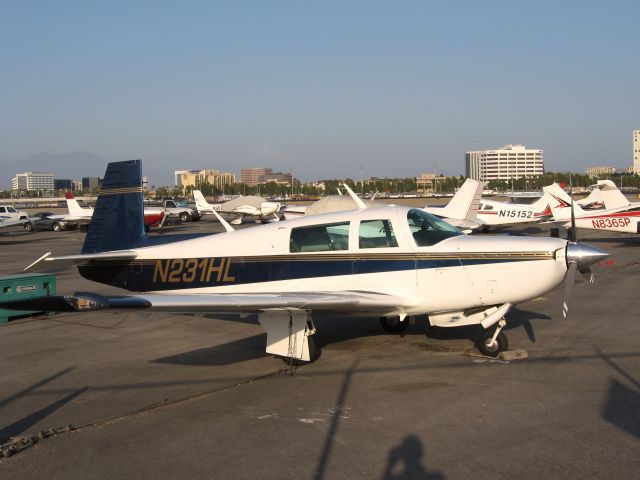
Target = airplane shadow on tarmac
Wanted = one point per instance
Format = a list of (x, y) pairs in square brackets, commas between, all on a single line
[(334, 330)]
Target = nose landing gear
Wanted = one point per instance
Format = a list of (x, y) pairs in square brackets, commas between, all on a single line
[(492, 343)]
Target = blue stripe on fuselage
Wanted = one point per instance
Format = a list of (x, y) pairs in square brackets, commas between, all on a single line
[(175, 274)]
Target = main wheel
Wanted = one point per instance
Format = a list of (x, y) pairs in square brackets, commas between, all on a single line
[(56, 227), (500, 345), (314, 354), (28, 227), (393, 324), (184, 216)]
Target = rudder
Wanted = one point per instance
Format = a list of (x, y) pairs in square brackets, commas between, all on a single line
[(118, 219)]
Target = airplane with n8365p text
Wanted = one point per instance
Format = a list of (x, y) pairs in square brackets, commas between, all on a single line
[(387, 262)]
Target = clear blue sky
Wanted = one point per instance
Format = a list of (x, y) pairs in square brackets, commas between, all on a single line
[(319, 87)]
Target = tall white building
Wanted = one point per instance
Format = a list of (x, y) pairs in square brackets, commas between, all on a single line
[(636, 151), (33, 181), (510, 161)]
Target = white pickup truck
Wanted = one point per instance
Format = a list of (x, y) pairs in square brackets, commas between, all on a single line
[(176, 209), (10, 215)]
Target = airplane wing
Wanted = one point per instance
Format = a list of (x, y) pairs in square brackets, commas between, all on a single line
[(326, 302)]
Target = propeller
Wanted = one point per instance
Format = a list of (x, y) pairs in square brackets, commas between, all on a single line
[(579, 258)]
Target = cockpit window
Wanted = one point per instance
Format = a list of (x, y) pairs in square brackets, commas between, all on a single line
[(320, 238), (376, 234), (428, 230), (486, 206)]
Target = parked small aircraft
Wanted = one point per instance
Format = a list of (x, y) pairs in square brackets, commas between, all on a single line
[(494, 213), (460, 211), (604, 194), (388, 262), (622, 219), (246, 206)]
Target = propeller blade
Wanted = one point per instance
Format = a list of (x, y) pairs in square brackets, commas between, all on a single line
[(569, 280), (588, 274)]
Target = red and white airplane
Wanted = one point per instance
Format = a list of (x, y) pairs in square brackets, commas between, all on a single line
[(624, 219), (493, 213)]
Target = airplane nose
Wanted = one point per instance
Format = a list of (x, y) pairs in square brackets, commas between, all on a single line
[(584, 255)]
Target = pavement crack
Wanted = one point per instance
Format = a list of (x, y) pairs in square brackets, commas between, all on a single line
[(20, 443)]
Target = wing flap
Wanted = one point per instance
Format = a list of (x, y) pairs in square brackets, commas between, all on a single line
[(328, 302)]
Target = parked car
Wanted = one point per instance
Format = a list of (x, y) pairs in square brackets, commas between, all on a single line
[(49, 221), (11, 214)]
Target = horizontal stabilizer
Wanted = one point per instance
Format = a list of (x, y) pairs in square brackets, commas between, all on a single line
[(49, 264)]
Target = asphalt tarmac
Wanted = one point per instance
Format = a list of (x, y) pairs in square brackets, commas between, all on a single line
[(195, 396)]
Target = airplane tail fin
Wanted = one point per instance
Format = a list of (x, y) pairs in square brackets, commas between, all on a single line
[(201, 203), (75, 208), (560, 202), (610, 195), (465, 203), (118, 219)]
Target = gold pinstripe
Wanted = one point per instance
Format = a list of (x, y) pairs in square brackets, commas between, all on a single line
[(297, 257)]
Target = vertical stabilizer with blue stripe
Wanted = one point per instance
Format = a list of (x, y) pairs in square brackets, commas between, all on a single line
[(118, 219)]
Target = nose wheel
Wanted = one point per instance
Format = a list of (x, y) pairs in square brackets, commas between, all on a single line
[(492, 343)]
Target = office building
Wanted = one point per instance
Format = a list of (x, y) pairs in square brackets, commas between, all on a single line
[(277, 177), (598, 172), (63, 184), (91, 183), (252, 176), (33, 181), (510, 161), (427, 183), (195, 178)]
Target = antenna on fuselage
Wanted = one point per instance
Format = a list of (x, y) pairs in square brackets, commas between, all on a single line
[(355, 198)]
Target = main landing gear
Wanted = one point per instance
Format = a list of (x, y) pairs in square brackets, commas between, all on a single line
[(492, 343), (394, 324)]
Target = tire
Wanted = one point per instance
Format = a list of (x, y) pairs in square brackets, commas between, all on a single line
[(314, 354), (28, 227), (501, 344), (393, 324), (147, 228), (56, 227), (184, 216)]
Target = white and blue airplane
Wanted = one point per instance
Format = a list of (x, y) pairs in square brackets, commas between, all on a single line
[(389, 262)]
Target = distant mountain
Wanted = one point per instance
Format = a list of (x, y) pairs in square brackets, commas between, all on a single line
[(74, 165)]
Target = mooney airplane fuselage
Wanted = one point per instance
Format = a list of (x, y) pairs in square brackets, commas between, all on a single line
[(382, 250)]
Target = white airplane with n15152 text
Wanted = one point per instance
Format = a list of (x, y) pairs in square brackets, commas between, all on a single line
[(388, 262)]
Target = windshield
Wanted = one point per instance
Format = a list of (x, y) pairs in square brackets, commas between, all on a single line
[(182, 203), (427, 229)]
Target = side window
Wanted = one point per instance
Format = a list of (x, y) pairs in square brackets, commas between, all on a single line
[(2, 210), (320, 238), (488, 207), (11, 210), (376, 234)]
